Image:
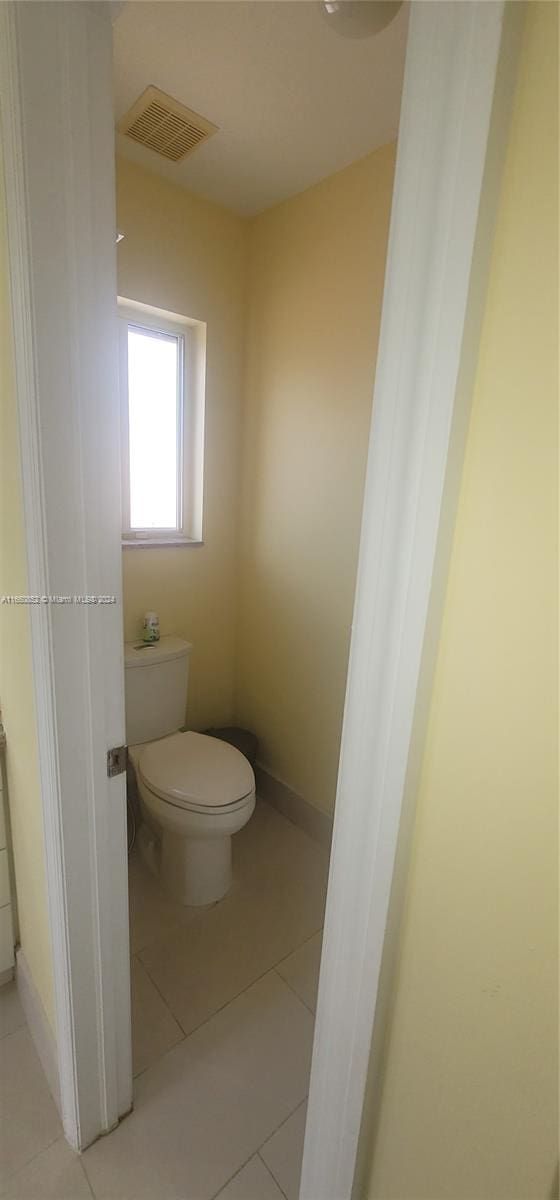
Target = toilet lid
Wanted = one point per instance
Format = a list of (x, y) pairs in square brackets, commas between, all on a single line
[(193, 769)]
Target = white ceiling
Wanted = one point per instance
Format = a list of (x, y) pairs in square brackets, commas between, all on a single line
[(294, 101)]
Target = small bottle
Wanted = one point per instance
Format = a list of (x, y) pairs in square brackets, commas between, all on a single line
[(151, 628)]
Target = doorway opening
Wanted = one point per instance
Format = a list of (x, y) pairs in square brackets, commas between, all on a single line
[(282, 262)]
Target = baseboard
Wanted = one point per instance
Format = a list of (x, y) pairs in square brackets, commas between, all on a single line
[(38, 1024), (317, 824)]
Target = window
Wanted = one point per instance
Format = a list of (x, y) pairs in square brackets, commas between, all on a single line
[(161, 468)]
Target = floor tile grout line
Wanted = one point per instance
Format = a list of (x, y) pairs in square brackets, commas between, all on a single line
[(83, 1163), (269, 971), (271, 1172), (139, 950), (273, 967), (86, 1176), (148, 945), (284, 1122), (11, 1031), (257, 1153), (273, 1134), (278, 962), (59, 1138), (164, 1001), (138, 1074), (293, 990), (235, 1173), (299, 946), (11, 987), (181, 1039), (14, 1032), (135, 958)]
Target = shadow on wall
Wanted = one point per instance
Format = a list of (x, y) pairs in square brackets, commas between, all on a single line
[(315, 296), (298, 646)]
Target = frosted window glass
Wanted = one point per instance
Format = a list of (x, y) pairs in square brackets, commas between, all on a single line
[(153, 362)]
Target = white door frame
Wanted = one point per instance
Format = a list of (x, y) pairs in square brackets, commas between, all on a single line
[(58, 145), (57, 124), (459, 77)]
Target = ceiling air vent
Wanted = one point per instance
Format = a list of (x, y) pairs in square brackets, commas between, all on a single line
[(162, 124)]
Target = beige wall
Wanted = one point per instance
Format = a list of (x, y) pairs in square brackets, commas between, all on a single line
[(316, 278), (16, 683), (188, 256), (469, 1103)]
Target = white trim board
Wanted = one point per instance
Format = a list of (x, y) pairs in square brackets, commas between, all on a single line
[(38, 1025), (450, 80), (497, 146), (57, 133), (318, 825)]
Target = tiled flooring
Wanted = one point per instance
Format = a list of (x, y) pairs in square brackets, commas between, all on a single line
[(35, 1160), (223, 1001)]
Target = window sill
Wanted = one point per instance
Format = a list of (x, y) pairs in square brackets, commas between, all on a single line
[(152, 543)]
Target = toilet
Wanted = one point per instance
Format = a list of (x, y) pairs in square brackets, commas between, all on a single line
[(195, 791)]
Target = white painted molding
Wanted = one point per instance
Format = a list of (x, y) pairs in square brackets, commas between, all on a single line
[(294, 807), (450, 77), (38, 1025), (57, 134), (20, 280), (496, 152)]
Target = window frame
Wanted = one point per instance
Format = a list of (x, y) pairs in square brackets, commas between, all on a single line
[(155, 322)]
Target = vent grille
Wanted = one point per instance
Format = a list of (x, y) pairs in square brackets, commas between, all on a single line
[(162, 124)]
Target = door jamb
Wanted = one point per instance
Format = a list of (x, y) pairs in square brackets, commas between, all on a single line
[(57, 124), (459, 80)]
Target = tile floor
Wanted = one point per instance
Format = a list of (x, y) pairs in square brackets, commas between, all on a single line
[(35, 1160), (223, 1001)]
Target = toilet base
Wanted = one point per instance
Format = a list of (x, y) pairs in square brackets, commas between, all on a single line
[(196, 870)]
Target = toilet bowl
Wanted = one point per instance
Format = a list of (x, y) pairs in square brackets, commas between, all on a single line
[(196, 791)]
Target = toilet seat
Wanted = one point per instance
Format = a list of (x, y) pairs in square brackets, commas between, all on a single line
[(197, 772)]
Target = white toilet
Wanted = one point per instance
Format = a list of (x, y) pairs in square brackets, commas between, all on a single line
[(195, 790)]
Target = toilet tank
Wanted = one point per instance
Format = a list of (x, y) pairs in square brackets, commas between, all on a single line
[(156, 678)]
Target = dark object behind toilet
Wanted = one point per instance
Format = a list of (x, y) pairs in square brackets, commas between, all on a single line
[(242, 739)]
